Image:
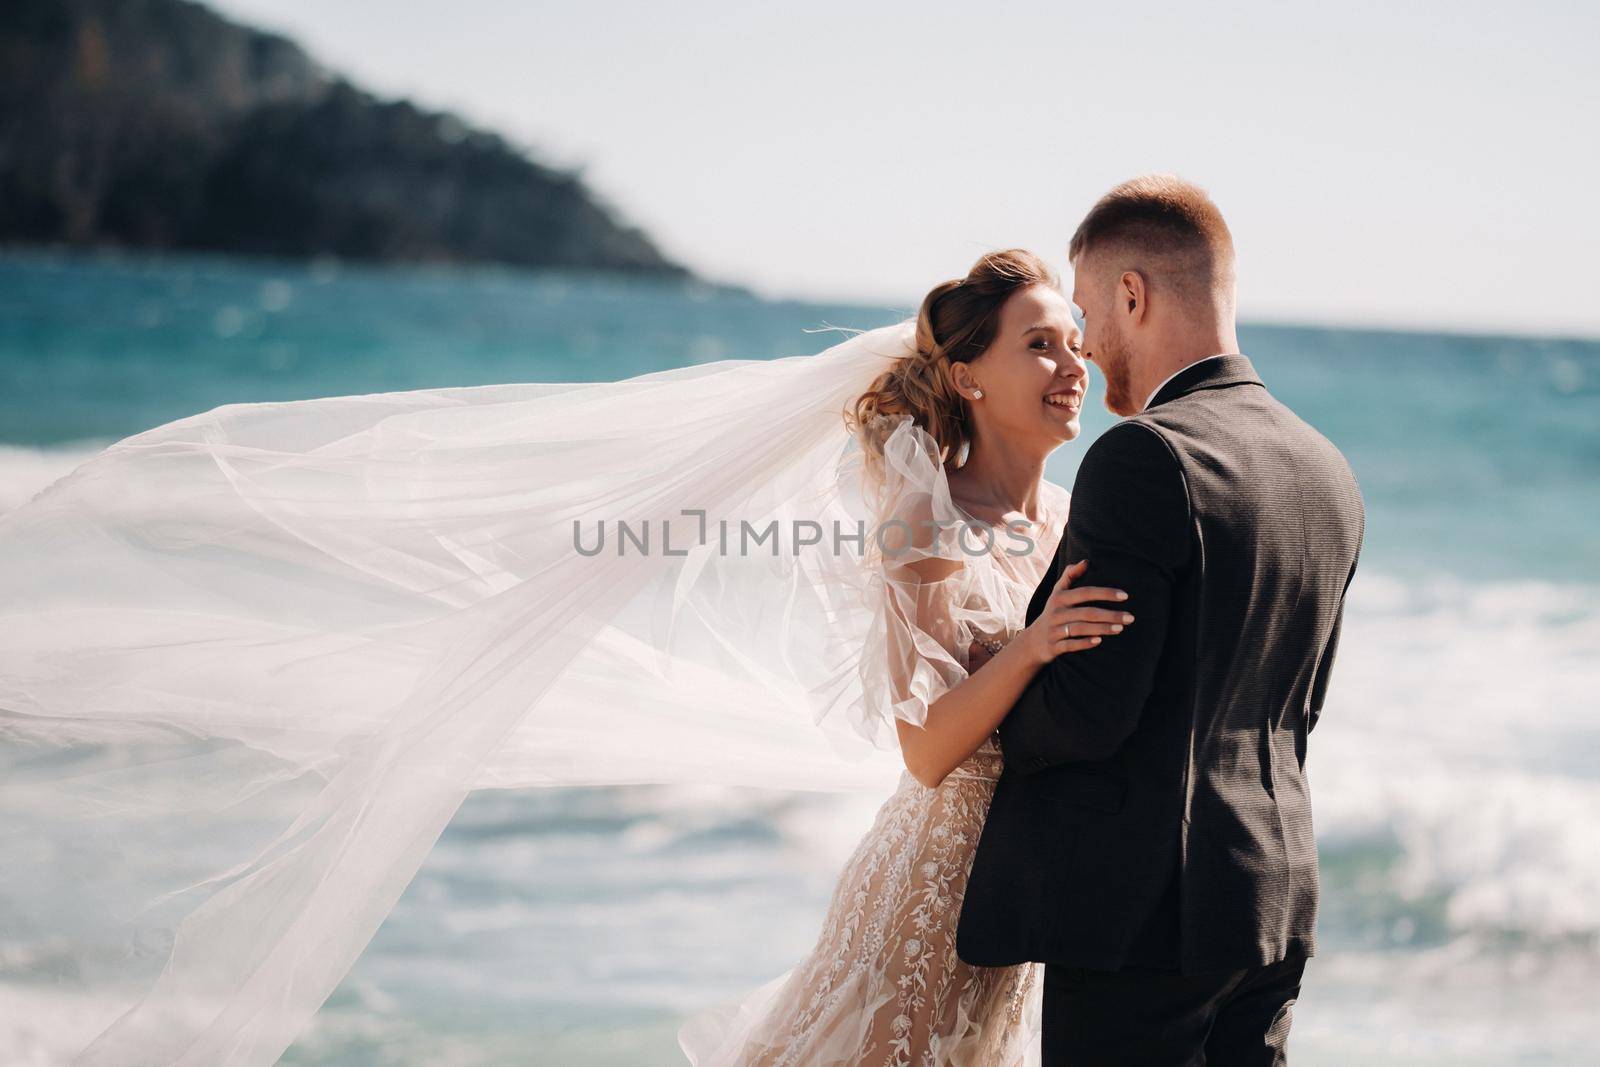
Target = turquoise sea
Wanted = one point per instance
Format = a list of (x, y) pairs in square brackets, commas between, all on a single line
[(1456, 774)]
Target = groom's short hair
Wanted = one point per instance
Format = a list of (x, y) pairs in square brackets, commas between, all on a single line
[(1167, 227)]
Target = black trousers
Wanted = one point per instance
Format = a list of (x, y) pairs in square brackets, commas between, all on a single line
[(1140, 1017)]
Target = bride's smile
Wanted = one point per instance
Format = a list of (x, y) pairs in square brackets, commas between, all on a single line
[(1036, 357)]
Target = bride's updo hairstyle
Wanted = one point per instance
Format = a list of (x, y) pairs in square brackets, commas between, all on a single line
[(955, 325)]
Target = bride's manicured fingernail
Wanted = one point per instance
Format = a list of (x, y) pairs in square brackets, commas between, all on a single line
[(1126, 617), (1115, 628), (1121, 595), (1094, 640)]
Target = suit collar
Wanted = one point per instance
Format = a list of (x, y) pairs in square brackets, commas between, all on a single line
[(1214, 373)]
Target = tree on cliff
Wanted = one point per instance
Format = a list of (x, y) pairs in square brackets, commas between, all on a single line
[(159, 124)]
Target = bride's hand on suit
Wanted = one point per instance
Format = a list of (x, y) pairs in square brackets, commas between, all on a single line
[(1070, 622), (963, 718)]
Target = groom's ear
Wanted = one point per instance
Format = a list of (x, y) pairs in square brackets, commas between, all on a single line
[(1131, 294)]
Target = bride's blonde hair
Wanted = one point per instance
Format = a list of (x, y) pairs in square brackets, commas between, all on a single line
[(956, 324)]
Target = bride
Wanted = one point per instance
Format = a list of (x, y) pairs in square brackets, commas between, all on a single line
[(252, 661), (996, 376)]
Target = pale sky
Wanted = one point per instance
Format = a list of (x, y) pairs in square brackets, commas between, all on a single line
[(1378, 164)]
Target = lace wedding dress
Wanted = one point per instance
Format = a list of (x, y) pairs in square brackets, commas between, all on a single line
[(883, 986)]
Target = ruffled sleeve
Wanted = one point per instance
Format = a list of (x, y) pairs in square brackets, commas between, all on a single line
[(923, 561)]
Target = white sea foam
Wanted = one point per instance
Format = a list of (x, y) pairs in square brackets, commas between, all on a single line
[(1463, 726)]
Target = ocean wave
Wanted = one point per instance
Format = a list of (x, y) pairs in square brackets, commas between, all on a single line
[(1462, 728)]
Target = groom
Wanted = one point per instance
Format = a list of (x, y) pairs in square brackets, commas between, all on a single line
[(1150, 839)]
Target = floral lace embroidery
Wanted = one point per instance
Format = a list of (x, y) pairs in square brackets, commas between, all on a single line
[(884, 985)]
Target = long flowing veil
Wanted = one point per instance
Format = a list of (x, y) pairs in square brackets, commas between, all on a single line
[(252, 661)]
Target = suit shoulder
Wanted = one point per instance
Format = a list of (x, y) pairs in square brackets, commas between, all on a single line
[(1321, 441), (1139, 439), (1136, 458)]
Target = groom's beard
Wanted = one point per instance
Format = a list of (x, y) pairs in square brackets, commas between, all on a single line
[(1113, 361)]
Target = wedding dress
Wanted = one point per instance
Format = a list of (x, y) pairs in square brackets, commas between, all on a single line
[(253, 660), (883, 985)]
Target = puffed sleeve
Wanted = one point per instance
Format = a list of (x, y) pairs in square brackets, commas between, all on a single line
[(920, 567)]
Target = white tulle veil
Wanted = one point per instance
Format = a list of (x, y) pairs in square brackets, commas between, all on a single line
[(252, 661)]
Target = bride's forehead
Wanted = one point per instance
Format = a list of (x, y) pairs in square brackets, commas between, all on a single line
[(1037, 305)]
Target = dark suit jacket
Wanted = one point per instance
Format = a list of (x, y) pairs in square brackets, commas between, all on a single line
[(1154, 809)]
